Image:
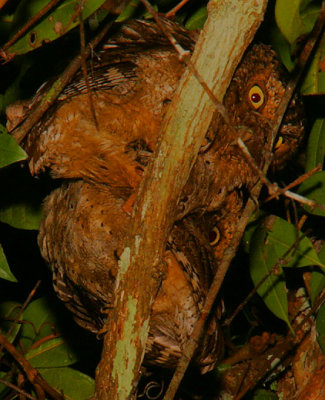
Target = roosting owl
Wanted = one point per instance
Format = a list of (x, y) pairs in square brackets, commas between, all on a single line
[(85, 226)]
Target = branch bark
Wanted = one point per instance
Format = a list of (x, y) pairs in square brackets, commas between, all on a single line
[(230, 27)]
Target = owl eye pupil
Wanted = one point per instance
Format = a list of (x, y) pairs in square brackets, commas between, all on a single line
[(212, 236), (256, 98)]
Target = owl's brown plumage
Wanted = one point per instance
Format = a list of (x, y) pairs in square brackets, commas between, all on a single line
[(84, 226), (81, 236)]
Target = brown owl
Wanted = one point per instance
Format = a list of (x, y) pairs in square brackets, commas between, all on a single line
[(82, 233), (84, 226)]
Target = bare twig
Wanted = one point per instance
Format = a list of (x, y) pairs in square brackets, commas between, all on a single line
[(53, 92), (27, 26), (32, 374), (84, 64), (22, 309), (17, 389), (280, 262), (273, 188), (174, 10), (296, 182)]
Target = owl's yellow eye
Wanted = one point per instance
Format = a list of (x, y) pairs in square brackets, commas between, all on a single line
[(214, 236), (256, 96)]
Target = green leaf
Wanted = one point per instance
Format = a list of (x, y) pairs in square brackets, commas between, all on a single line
[(5, 272), (282, 47), (314, 81), (60, 21), (283, 235), (320, 327), (42, 321), (316, 145), (9, 311), (128, 11), (262, 394), (314, 188), (295, 17), (262, 259), (21, 198), (317, 280), (10, 151), (73, 384), (52, 353), (197, 20), (4, 388), (22, 216)]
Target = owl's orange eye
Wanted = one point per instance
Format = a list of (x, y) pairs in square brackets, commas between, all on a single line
[(214, 236), (256, 96)]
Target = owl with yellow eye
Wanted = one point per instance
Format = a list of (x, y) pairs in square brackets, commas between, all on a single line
[(251, 102)]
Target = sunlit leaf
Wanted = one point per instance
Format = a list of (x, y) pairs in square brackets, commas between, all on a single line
[(273, 290), (60, 21), (314, 189), (73, 384), (320, 327), (54, 352), (197, 20), (316, 145), (10, 151), (295, 17), (5, 272)]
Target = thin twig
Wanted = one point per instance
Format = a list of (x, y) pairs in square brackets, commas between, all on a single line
[(53, 92), (294, 183), (17, 389), (27, 26), (273, 188), (84, 64), (280, 262), (32, 374), (22, 309), (174, 10)]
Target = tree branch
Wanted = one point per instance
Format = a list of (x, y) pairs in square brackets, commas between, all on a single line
[(230, 27)]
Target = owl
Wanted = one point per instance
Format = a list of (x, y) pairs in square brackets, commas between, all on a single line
[(82, 236), (85, 225)]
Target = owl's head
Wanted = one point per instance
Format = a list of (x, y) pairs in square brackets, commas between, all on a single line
[(253, 98)]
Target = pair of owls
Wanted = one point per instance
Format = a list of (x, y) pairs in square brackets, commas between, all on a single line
[(84, 227)]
